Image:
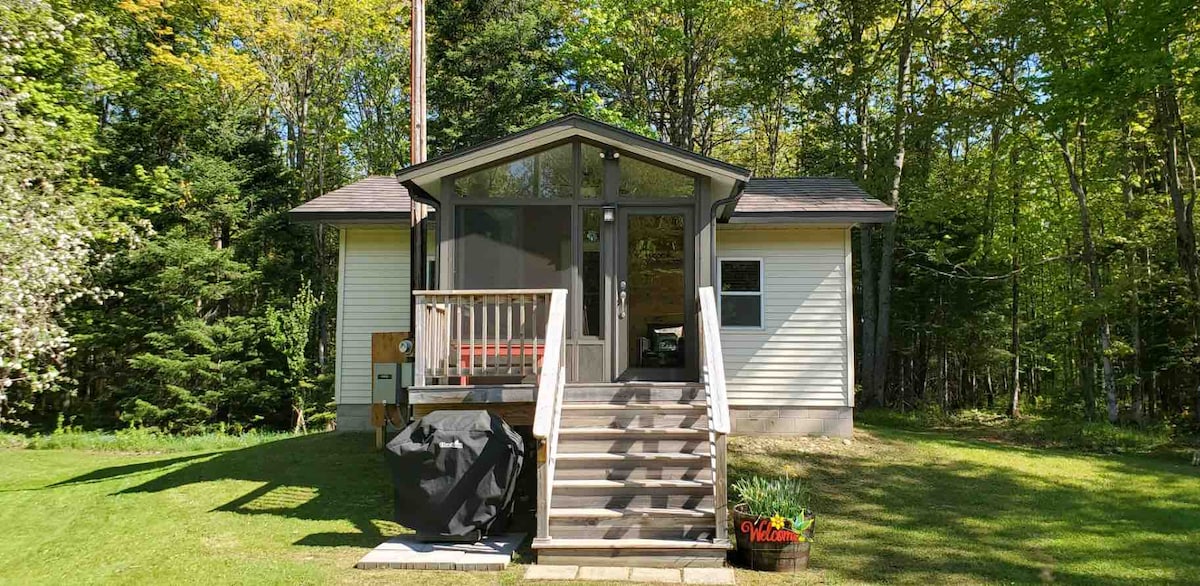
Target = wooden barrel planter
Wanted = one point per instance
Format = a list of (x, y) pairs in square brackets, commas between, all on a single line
[(763, 547)]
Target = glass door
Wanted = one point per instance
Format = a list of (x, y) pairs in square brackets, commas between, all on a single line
[(654, 294)]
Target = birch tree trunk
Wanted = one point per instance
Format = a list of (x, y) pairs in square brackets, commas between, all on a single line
[(1014, 404), (1093, 268)]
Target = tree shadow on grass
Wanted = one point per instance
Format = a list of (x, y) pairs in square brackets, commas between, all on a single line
[(127, 470), (321, 477), (918, 520)]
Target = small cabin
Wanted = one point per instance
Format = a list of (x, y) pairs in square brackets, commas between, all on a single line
[(632, 301)]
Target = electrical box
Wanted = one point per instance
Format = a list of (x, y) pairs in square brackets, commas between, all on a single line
[(385, 383), (390, 382)]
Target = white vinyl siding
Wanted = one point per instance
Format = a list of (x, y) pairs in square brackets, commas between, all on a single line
[(373, 287), (802, 354)]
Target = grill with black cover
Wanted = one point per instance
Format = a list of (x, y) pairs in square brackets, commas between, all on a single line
[(455, 474)]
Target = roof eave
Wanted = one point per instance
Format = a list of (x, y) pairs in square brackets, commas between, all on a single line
[(814, 217), (729, 204), (356, 217)]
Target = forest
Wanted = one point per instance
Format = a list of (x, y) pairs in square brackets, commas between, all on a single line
[(1044, 257)]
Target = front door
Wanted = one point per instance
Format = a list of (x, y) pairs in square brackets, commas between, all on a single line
[(655, 289)]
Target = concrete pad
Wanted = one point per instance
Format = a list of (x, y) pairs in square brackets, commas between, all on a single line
[(407, 553), (661, 575), (540, 572), (708, 576), (603, 573)]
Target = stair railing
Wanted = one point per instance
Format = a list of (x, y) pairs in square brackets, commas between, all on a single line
[(548, 412), (718, 405)]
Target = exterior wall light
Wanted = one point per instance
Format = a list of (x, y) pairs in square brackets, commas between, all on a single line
[(610, 214)]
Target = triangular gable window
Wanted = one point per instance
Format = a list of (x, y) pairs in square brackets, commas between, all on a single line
[(643, 180), (572, 170), (548, 174)]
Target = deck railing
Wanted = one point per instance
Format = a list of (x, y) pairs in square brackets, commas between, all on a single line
[(462, 334), (548, 411), (718, 404)]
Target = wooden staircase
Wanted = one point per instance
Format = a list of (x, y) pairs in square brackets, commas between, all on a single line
[(635, 478)]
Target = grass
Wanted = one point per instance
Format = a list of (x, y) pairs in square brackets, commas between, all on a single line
[(1040, 431), (138, 441), (895, 505)]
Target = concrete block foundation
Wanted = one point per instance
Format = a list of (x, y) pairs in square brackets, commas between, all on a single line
[(354, 418), (827, 421)]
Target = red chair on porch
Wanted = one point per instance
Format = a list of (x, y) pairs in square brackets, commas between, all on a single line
[(501, 357)]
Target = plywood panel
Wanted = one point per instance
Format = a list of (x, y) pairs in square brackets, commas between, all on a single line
[(385, 346)]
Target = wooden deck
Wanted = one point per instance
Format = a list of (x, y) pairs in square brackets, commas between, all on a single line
[(514, 403)]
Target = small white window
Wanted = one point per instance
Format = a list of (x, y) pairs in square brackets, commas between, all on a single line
[(741, 286)]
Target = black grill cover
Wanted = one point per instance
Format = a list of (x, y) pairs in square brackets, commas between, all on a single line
[(455, 473)]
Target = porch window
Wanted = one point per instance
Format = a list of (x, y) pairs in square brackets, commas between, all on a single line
[(509, 247), (544, 175), (591, 273), (642, 180), (591, 168), (741, 292)]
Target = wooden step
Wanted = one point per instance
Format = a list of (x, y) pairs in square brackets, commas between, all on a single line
[(624, 393), (634, 443), (628, 544), (579, 471), (635, 512), (638, 466), (635, 558), (649, 384), (654, 553), (633, 523), (636, 419), (654, 528), (634, 406), (633, 483), (628, 432), (620, 498), (642, 457)]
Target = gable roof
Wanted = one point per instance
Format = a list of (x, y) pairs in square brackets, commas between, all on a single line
[(808, 199), (377, 198), (381, 198), (564, 127)]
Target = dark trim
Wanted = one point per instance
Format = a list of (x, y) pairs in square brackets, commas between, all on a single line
[(728, 204), (356, 217), (420, 195), (417, 255), (833, 217), (582, 123)]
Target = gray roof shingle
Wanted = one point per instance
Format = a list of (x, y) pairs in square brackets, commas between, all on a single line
[(377, 195), (808, 196)]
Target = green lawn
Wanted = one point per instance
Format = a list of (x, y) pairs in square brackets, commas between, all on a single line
[(895, 506)]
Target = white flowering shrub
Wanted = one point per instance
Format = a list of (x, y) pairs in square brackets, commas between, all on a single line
[(52, 215), (45, 254)]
